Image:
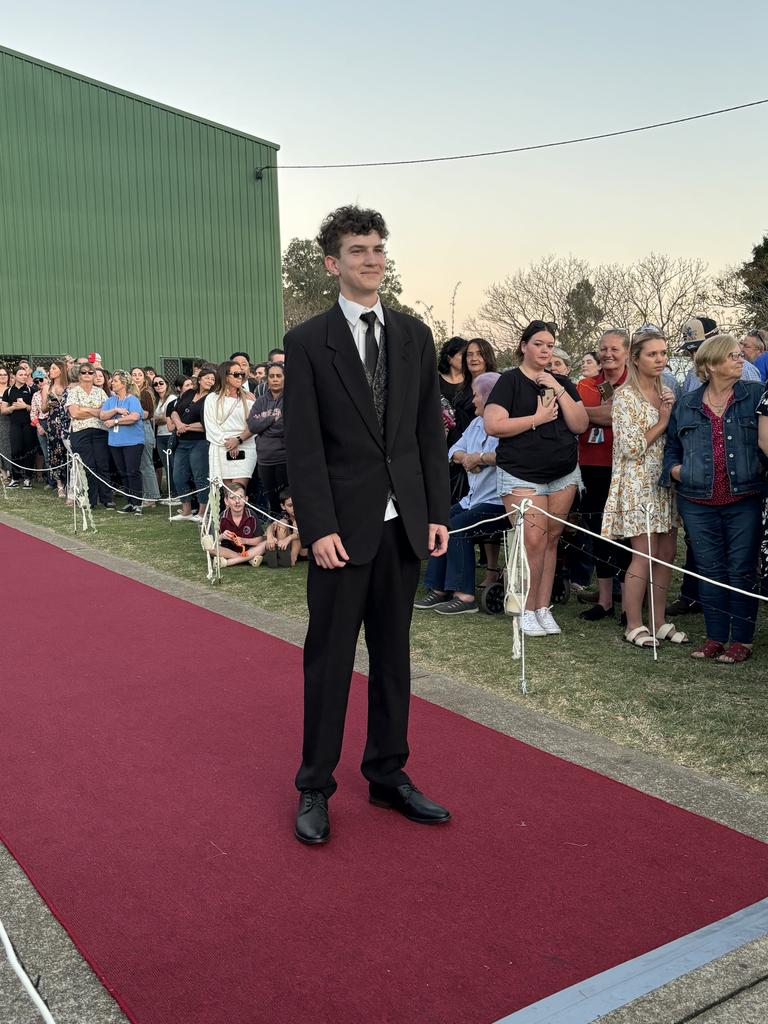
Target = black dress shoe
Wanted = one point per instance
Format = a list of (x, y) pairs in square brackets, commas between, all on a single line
[(313, 825), (683, 607), (410, 802), (597, 612)]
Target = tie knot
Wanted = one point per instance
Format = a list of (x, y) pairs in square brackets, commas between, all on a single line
[(369, 318)]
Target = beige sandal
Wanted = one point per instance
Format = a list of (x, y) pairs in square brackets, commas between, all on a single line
[(640, 637), (669, 631)]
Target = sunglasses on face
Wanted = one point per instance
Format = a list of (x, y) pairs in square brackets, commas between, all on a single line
[(87, 373), (238, 375), (158, 383)]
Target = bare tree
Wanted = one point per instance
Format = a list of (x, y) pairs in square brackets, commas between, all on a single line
[(586, 300)]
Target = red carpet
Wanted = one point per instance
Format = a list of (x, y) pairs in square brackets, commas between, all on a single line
[(147, 760)]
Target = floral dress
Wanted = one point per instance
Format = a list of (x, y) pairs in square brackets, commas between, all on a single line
[(57, 423), (636, 471)]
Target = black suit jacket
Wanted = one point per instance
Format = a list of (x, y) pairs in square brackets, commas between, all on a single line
[(340, 468)]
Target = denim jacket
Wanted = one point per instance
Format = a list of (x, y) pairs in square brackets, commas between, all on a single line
[(689, 444)]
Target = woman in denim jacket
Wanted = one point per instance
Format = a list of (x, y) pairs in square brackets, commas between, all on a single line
[(716, 438)]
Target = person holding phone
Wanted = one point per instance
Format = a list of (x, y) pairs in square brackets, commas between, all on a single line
[(231, 448), (596, 464), (537, 415)]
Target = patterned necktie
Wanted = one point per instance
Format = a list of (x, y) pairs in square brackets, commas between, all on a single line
[(371, 348)]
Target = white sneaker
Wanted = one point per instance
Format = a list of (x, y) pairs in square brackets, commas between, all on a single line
[(181, 518), (547, 622), (531, 626), (194, 519)]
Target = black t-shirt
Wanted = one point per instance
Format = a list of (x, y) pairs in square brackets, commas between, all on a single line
[(13, 394), (190, 411), (541, 455)]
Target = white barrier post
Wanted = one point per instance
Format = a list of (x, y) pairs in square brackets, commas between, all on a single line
[(651, 599), (167, 452)]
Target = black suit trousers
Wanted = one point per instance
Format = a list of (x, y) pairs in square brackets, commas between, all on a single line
[(379, 595)]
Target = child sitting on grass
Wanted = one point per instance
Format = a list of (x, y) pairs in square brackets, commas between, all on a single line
[(283, 544), (241, 538)]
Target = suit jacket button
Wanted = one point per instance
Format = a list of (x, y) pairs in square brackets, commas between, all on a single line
[(388, 460)]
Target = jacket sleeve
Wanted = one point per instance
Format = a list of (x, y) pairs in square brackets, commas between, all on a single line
[(431, 437), (307, 470), (673, 450), (259, 419)]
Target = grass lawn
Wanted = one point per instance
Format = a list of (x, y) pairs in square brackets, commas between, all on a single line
[(702, 715)]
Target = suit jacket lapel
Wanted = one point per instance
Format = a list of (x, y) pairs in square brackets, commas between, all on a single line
[(398, 360), (349, 367)]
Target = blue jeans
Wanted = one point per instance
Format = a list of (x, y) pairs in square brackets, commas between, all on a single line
[(725, 540), (190, 469), (455, 570)]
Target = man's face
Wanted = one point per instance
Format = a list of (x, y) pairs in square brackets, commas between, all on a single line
[(244, 365), (750, 348), (278, 357), (259, 373), (359, 266)]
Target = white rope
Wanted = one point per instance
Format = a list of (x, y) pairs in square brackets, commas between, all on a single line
[(24, 978), (209, 531), (81, 499), (32, 469), (167, 452), (517, 576)]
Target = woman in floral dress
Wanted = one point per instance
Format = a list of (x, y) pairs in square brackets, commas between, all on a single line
[(641, 411), (56, 423)]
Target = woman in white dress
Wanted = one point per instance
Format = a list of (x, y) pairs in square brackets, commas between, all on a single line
[(641, 411), (231, 449)]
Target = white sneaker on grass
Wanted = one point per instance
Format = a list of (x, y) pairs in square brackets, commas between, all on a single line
[(547, 621), (181, 518), (530, 625)]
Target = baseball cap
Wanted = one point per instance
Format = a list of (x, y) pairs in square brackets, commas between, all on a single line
[(93, 357), (38, 375), (696, 330)]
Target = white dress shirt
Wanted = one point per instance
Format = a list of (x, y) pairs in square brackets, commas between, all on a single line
[(352, 312)]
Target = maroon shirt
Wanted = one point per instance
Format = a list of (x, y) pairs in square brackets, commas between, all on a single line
[(248, 527)]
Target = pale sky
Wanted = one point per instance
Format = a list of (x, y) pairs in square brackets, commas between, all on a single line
[(340, 82)]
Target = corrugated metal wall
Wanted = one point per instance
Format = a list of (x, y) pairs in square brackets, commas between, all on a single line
[(128, 228)]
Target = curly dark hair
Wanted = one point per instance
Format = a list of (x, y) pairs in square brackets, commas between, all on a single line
[(450, 348), (348, 220)]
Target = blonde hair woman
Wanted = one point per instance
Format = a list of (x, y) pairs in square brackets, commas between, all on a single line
[(641, 411), (232, 449)]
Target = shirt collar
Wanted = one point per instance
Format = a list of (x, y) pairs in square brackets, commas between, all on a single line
[(352, 311)]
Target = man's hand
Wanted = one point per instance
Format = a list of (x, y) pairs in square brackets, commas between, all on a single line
[(329, 552), (438, 539)]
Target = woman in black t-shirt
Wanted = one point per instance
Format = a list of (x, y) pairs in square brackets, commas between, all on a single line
[(16, 404), (190, 461), (537, 417)]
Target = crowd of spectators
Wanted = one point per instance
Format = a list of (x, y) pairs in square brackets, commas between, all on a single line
[(628, 451)]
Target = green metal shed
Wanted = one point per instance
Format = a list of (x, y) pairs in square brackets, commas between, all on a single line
[(130, 228)]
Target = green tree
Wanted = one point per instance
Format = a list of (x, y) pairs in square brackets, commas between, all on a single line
[(753, 277), (582, 316), (308, 288)]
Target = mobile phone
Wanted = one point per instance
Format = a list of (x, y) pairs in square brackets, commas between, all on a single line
[(236, 458), (606, 390), (548, 396)]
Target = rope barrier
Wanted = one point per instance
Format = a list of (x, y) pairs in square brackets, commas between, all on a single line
[(474, 526), (24, 978)]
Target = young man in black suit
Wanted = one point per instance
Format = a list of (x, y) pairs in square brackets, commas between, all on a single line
[(368, 473)]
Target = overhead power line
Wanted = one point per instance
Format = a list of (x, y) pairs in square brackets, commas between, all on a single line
[(514, 149)]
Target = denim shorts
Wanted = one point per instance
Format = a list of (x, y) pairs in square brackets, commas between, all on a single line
[(506, 483)]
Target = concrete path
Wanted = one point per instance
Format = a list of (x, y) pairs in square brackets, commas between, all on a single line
[(732, 990)]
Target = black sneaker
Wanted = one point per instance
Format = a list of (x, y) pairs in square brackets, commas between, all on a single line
[(136, 510), (126, 510), (13, 483), (456, 607), (683, 607), (596, 612), (27, 483), (430, 600), (109, 504)]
